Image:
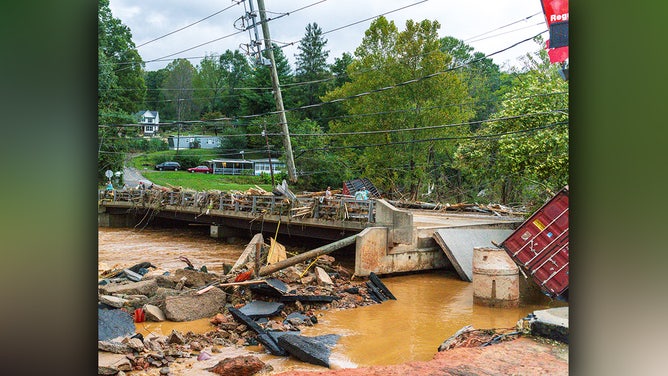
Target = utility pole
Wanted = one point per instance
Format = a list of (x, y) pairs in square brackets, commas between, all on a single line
[(178, 134), (271, 167), (292, 174)]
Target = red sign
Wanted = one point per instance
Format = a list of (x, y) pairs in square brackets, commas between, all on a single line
[(556, 17), (555, 11)]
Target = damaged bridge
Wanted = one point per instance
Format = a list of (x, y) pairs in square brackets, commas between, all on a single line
[(387, 239)]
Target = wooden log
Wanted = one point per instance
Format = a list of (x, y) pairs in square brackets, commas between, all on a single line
[(308, 255)]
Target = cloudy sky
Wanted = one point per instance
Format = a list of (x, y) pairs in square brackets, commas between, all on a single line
[(486, 25)]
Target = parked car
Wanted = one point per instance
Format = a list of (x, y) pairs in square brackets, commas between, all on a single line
[(204, 169), (168, 166)]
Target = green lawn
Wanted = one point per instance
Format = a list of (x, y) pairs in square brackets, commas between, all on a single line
[(201, 182), (204, 182)]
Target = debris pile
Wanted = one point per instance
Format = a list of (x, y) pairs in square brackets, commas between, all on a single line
[(244, 308)]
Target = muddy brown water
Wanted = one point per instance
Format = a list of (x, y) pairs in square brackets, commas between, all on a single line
[(430, 306)]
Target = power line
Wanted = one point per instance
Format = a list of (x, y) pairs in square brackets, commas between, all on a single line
[(506, 32), (472, 137), (400, 84), (214, 121), (187, 26), (504, 26)]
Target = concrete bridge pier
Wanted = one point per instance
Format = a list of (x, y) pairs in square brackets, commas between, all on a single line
[(395, 247), (223, 232), (106, 219)]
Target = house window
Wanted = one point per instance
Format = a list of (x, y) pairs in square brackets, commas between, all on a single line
[(149, 120), (148, 128)]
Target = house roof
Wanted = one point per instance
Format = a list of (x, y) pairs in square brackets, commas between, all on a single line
[(147, 113)]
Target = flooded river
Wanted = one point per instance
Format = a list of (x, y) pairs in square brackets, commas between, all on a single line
[(430, 307)]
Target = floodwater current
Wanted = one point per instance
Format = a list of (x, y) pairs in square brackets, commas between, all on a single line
[(430, 306)]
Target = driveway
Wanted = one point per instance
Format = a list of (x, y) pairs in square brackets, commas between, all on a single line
[(132, 177)]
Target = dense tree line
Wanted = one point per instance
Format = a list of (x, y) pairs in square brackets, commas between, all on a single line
[(423, 117)]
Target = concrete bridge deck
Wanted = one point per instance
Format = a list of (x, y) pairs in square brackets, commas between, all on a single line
[(389, 240)]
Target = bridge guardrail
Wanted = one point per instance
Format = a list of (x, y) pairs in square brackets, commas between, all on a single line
[(338, 208)]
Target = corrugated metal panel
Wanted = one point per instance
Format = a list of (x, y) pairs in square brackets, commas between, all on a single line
[(540, 245)]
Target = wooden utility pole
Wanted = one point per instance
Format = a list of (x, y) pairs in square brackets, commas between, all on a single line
[(292, 174)]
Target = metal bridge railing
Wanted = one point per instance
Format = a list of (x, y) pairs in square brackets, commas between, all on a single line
[(340, 208)]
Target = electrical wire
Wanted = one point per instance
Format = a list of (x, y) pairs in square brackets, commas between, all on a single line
[(502, 27), (187, 26)]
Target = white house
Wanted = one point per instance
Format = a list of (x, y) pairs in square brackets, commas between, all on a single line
[(149, 120)]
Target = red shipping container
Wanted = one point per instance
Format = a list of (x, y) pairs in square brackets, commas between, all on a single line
[(540, 245)]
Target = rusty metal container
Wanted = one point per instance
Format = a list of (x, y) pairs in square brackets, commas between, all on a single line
[(495, 278), (540, 246)]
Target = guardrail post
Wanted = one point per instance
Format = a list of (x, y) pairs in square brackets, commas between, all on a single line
[(254, 207), (371, 219)]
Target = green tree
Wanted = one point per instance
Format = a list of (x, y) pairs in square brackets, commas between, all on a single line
[(522, 157), (120, 54), (154, 98), (237, 71), (259, 99), (311, 67), (178, 91), (405, 148), (481, 75)]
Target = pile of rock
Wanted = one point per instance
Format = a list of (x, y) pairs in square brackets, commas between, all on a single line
[(291, 297)]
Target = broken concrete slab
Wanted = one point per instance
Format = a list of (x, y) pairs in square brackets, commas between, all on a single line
[(129, 274), (145, 287), (257, 308), (314, 350), (551, 323), (112, 301), (154, 313), (194, 278), (458, 244), (111, 364), (113, 323), (190, 306), (113, 347), (322, 277)]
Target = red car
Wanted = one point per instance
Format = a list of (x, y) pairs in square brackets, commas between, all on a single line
[(203, 169)]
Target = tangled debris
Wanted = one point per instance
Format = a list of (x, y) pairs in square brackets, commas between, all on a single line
[(256, 311)]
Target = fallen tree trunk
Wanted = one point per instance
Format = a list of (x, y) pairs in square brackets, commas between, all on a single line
[(325, 249)]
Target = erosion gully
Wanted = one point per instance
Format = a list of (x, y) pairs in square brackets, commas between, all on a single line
[(430, 306)]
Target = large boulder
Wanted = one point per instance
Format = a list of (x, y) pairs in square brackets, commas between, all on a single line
[(190, 306), (154, 313), (247, 365), (195, 278), (145, 287), (113, 323), (111, 364)]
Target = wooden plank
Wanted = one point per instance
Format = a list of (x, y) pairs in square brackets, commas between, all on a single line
[(250, 248)]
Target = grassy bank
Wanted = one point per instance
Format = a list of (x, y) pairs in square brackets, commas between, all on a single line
[(204, 182)]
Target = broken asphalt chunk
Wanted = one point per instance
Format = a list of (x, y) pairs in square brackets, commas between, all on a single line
[(314, 350), (272, 287), (381, 286), (257, 309), (267, 340)]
